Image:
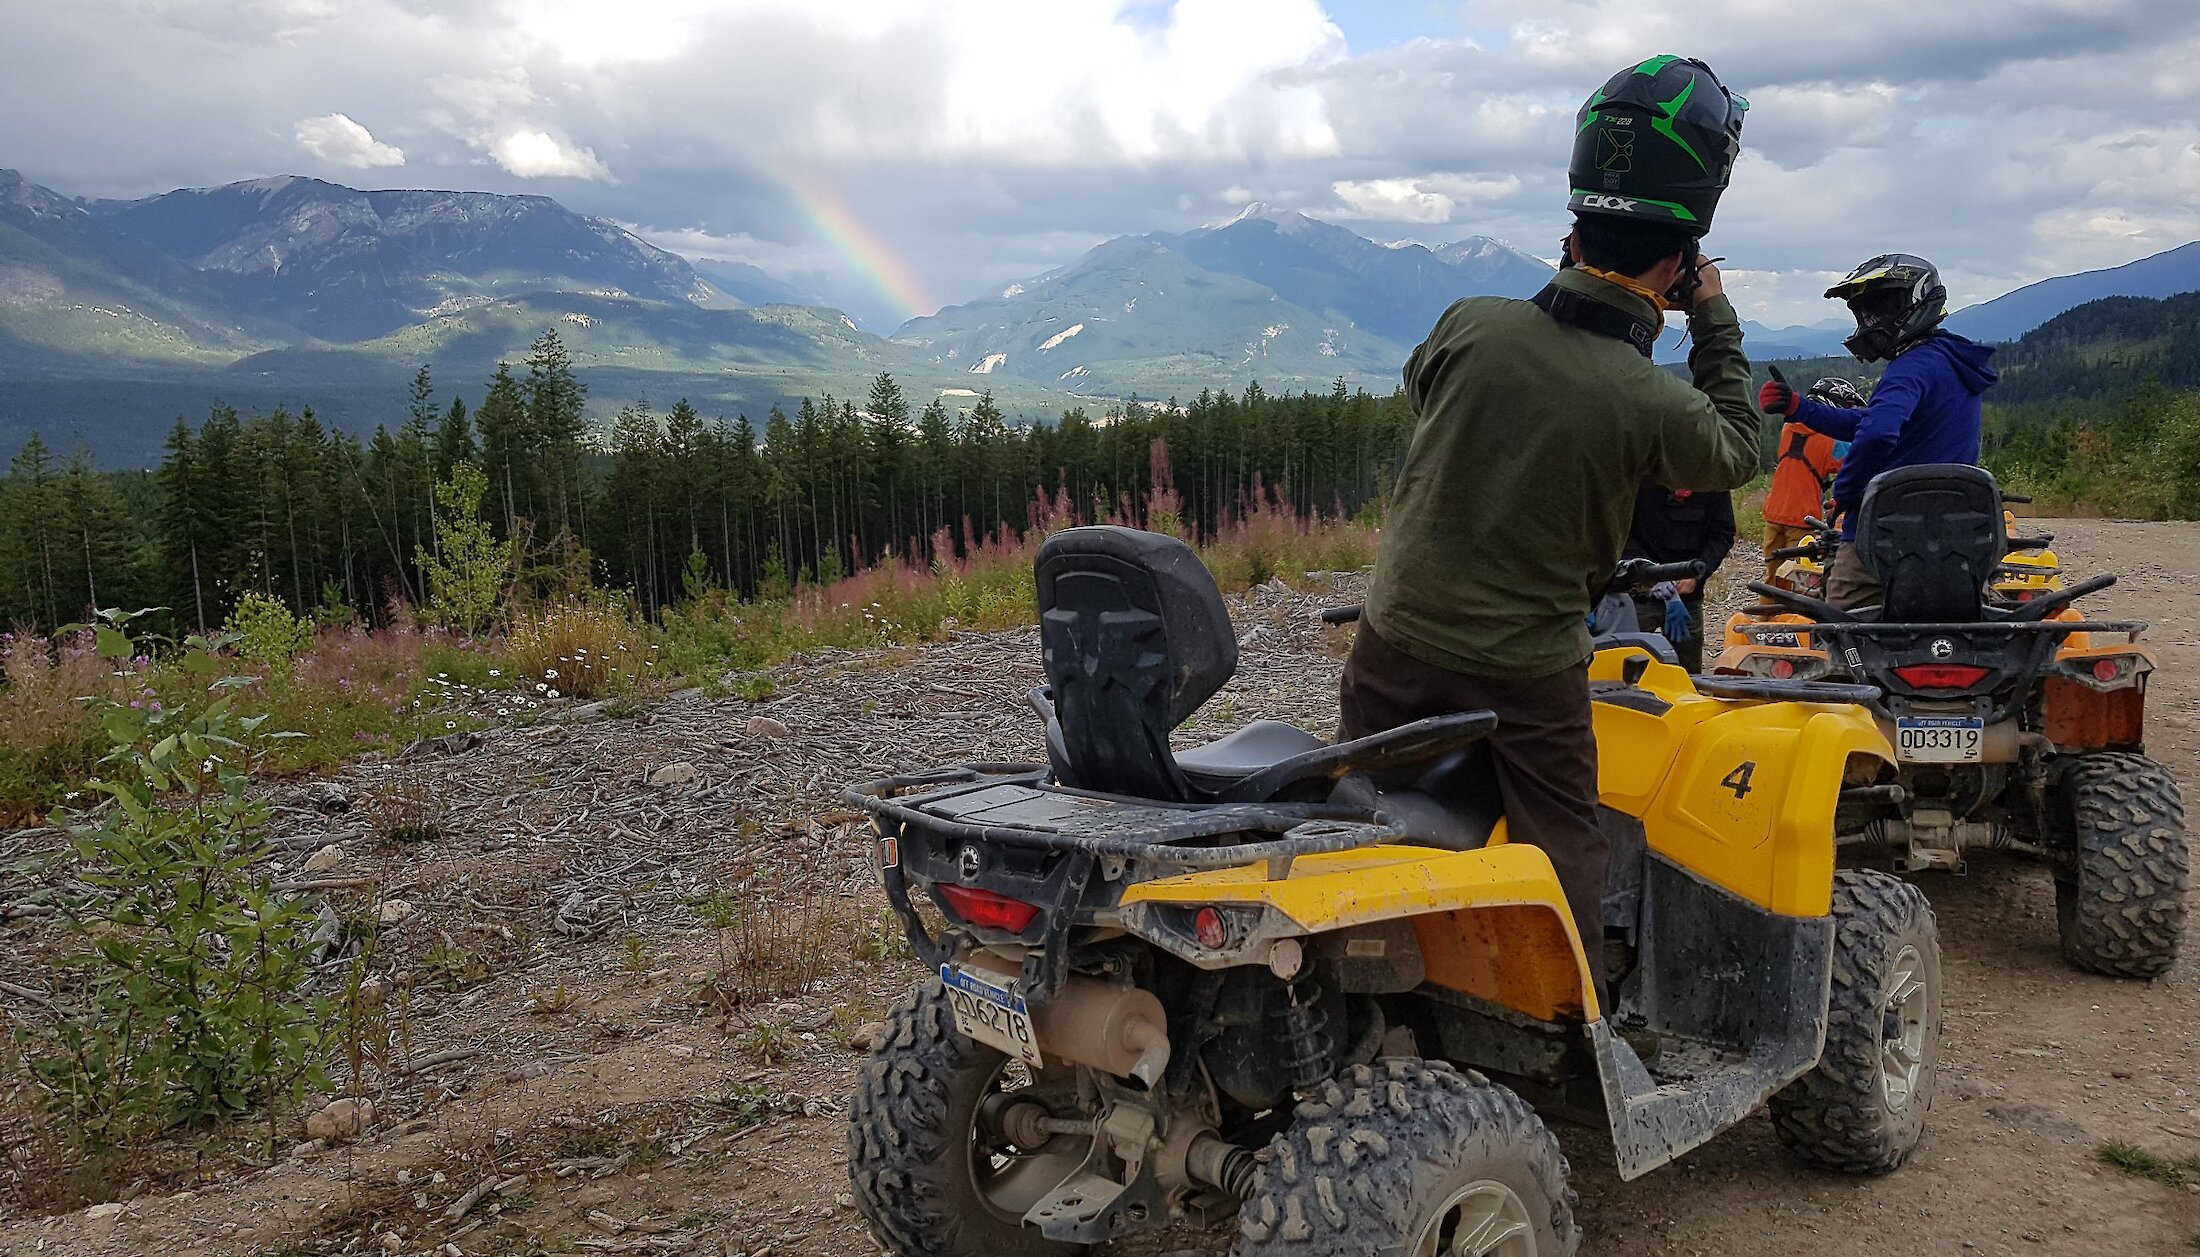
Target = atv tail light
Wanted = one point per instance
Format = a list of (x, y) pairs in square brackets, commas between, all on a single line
[(1208, 928), (1782, 669), (1942, 676), (984, 908), (2107, 669)]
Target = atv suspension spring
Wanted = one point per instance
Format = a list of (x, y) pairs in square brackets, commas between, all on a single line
[(1306, 1033)]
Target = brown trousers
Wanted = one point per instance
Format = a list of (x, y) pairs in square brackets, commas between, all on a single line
[(1848, 585), (1544, 747), (1781, 537)]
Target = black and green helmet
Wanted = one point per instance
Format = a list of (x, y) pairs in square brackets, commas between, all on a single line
[(1657, 145)]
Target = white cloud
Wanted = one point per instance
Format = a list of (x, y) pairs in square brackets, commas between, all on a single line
[(1430, 199), (337, 140), (541, 155), (1390, 201)]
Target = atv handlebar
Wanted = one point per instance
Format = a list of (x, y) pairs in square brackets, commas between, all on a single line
[(1644, 572), (2047, 604), (1631, 573), (1798, 552)]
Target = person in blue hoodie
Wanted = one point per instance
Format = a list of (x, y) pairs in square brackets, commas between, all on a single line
[(1925, 409)]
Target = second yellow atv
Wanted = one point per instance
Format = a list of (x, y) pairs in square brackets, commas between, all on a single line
[(2018, 725), (1321, 989)]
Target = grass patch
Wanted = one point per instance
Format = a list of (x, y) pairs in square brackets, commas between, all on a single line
[(767, 1042), (581, 650), (454, 966), (880, 939), (746, 1105), (406, 810), (557, 999), (2138, 1162)]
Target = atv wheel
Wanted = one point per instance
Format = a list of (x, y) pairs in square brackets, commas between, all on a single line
[(1861, 1109), (928, 1176), (2121, 908), (1414, 1158)]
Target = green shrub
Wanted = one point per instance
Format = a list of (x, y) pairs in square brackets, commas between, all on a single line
[(265, 631), (188, 962), (470, 571)]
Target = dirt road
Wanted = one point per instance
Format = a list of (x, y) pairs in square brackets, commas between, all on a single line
[(635, 1060)]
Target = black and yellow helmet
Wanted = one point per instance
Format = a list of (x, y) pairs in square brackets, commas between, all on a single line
[(1897, 299), (1657, 145)]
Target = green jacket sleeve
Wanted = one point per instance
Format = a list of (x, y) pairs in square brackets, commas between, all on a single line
[(1428, 357), (1709, 437)]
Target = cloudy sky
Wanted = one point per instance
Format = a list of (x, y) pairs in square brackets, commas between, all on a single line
[(901, 154)]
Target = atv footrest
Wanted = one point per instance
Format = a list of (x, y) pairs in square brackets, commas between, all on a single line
[(1078, 1210)]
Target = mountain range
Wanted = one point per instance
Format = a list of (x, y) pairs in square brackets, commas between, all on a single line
[(1271, 295), (116, 316), (2012, 314)]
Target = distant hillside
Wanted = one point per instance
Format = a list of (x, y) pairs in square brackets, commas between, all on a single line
[(1271, 295), (2099, 351), (1394, 291), (752, 285), (117, 316), (1135, 316), (2103, 349), (2013, 314), (341, 264)]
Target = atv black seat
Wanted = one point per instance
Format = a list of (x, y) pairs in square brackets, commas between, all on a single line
[(1135, 638), (1933, 535), (1235, 756)]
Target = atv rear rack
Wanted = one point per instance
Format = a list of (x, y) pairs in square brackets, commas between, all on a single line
[(2129, 629), (1014, 804), (1113, 837)]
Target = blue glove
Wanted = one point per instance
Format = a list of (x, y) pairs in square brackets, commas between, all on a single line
[(1677, 626)]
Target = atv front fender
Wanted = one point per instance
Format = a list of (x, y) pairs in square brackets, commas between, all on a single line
[(1740, 793)]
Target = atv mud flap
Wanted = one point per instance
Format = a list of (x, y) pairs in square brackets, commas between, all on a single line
[(1736, 997)]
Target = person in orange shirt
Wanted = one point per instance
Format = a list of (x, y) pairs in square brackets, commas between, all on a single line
[(1805, 468)]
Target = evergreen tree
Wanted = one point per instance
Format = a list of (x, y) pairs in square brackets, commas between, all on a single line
[(556, 418), (454, 439), (30, 534), (508, 449)]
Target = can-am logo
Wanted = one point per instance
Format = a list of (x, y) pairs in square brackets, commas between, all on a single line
[(1623, 204), (1943, 648)]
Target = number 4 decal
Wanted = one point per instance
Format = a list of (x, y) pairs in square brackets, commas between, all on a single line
[(1738, 780)]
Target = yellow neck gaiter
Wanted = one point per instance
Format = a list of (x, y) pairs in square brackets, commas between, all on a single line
[(1656, 299)]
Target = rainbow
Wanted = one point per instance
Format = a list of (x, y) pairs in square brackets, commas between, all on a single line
[(862, 247)]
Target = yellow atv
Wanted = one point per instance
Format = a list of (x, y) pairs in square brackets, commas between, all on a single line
[(1319, 989), (2018, 724), (2030, 569)]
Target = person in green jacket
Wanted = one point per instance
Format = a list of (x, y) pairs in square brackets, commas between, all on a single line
[(1534, 423)]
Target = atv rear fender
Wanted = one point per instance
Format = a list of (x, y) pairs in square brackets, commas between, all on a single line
[(1491, 922)]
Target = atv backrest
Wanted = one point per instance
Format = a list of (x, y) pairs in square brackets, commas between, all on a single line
[(1136, 638), (1932, 535)]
